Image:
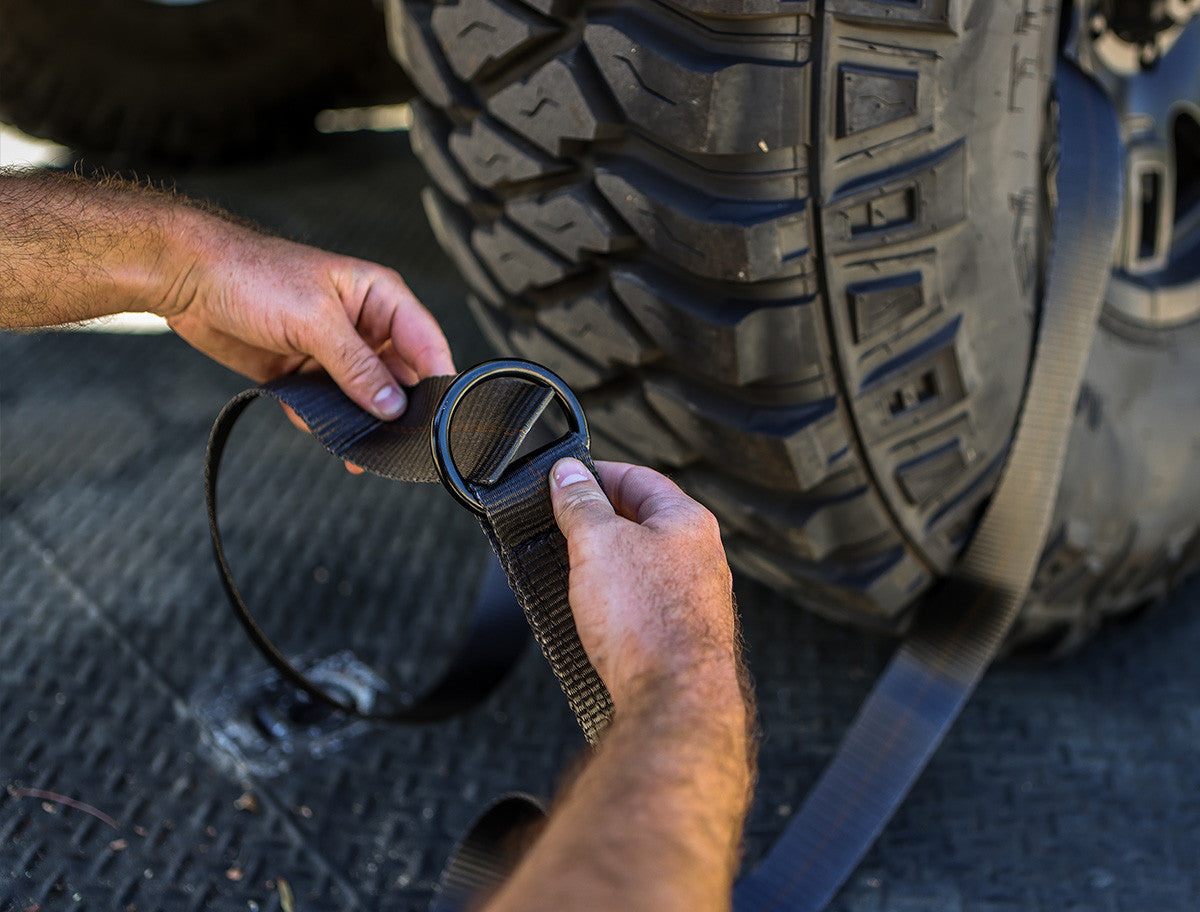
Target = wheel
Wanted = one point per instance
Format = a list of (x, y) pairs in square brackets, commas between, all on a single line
[(789, 252), (1126, 524), (187, 81)]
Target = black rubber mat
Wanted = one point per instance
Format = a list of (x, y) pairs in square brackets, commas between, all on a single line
[(128, 689)]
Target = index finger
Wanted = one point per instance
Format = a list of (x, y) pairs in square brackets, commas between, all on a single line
[(641, 494), (415, 334)]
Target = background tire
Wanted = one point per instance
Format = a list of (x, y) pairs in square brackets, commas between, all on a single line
[(792, 254), (144, 80)]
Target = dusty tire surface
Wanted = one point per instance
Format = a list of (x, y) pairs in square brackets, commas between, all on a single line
[(191, 82), (789, 252)]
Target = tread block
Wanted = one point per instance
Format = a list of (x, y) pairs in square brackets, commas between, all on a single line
[(493, 158), (452, 228), (808, 526), (739, 240), (413, 44), (479, 35), (558, 105), (913, 385), (1068, 568), (702, 102), (791, 447), (896, 205), (816, 595), (492, 325), (922, 479), (624, 417), (877, 306), (571, 221), (753, 8), (870, 97), (525, 340), (867, 593), (741, 343), (428, 136), (517, 263), (935, 15), (593, 322), (557, 9)]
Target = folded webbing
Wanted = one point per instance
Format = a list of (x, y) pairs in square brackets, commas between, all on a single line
[(488, 852)]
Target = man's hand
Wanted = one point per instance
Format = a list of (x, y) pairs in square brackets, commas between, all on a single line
[(649, 585), (266, 307), (654, 821), (72, 249)]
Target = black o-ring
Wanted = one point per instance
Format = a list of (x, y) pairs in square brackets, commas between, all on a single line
[(534, 373)]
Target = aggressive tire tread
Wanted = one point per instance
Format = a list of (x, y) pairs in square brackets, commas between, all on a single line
[(789, 252)]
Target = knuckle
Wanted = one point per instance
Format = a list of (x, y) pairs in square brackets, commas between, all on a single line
[(382, 281), (358, 363), (708, 522), (377, 271), (697, 520)]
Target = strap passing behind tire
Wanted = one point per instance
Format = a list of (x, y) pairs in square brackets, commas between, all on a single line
[(963, 626)]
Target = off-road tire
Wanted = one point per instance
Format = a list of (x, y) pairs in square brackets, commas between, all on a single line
[(790, 252), (146, 81)]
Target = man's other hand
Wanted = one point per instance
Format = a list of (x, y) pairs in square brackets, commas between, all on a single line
[(266, 307)]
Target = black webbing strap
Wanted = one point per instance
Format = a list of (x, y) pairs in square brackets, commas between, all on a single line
[(487, 431), (488, 852), (933, 673), (533, 552)]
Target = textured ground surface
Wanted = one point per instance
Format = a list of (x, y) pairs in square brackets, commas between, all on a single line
[(123, 676)]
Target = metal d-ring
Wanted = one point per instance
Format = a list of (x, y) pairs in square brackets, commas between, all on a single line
[(465, 382)]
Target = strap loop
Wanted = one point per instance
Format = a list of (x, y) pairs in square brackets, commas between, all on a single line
[(489, 852), (488, 435)]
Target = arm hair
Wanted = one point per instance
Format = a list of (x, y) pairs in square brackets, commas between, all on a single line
[(73, 248)]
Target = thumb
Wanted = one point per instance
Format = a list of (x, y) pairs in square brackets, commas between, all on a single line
[(361, 374), (577, 498)]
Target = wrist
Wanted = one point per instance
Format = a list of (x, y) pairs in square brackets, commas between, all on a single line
[(687, 670), (711, 698), (187, 254)]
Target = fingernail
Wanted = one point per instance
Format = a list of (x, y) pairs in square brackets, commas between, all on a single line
[(389, 402), (568, 472)]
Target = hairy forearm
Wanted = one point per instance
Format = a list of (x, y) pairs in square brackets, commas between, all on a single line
[(654, 820), (72, 249)]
